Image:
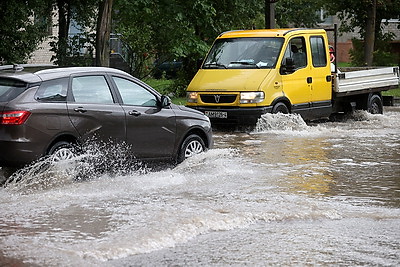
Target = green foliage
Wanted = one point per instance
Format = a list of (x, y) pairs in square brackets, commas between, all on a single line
[(20, 29), (353, 14), (382, 54), (179, 29), (298, 13), (393, 92), (76, 51), (161, 85)]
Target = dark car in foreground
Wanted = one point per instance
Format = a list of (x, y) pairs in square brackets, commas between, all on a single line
[(48, 112)]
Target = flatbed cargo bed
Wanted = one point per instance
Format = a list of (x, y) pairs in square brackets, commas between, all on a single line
[(370, 80)]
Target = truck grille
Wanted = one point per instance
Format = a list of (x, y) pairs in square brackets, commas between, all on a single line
[(217, 99)]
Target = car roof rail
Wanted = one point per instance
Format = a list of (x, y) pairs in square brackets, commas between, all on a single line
[(21, 67)]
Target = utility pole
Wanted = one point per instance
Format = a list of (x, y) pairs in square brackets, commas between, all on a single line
[(270, 14)]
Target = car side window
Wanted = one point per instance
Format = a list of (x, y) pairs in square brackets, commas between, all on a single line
[(134, 94), (296, 50), (318, 51), (53, 90), (91, 89)]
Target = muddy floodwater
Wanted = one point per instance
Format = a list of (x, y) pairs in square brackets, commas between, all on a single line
[(286, 194)]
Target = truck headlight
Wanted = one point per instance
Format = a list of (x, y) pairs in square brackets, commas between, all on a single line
[(251, 97), (191, 97)]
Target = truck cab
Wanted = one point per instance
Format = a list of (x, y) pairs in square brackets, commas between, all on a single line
[(252, 72)]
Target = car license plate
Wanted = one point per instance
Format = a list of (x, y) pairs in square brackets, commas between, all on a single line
[(216, 114)]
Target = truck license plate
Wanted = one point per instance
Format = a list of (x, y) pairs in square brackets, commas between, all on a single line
[(216, 114)]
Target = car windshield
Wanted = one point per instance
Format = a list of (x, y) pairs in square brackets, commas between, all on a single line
[(240, 53), (10, 89)]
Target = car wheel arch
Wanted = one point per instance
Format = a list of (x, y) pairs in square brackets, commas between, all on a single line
[(64, 137), (193, 131), (200, 133)]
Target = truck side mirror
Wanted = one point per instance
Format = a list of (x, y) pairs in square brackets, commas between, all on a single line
[(288, 66)]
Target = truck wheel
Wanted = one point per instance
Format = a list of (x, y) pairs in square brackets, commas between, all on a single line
[(280, 107), (192, 145), (375, 105)]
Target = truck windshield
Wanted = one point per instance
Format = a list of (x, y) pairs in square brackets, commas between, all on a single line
[(244, 53)]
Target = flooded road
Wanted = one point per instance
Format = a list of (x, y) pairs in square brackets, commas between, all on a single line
[(286, 194)]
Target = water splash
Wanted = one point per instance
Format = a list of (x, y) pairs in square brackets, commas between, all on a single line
[(284, 122), (95, 160)]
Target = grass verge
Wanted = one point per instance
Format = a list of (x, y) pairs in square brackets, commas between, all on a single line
[(164, 87), (393, 92)]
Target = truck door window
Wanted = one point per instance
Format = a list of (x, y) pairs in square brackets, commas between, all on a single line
[(296, 50), (318, 51)]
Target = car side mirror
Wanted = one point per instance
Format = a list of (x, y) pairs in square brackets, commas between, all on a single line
[(165, 101), (288, 66)]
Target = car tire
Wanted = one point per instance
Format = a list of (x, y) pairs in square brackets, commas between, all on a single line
[(192, 145), (62, 151)]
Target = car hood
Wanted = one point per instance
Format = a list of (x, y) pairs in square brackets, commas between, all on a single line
[(187, 109)]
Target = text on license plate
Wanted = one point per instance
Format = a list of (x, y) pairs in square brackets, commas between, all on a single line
[(216, 114)]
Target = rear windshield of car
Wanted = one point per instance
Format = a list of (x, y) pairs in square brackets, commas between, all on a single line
[(10, 89)]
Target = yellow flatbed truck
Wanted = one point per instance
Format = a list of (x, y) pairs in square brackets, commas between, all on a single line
[(251, 72)]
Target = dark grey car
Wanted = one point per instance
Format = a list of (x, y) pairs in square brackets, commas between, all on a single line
[(46, 112)]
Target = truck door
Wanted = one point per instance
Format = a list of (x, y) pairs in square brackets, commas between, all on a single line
[(297, 82), (321, 89)]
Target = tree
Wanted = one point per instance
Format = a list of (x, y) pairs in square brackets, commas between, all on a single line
[(370, 32), (23, 26), (180, 29), (103, 30), (88, 16), (366, 16), (298, 13)]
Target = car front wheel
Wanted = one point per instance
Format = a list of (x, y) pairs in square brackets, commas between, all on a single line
[(192, 145)]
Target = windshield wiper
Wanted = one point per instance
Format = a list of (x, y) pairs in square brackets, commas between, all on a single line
[(245, 63), (214, 64)]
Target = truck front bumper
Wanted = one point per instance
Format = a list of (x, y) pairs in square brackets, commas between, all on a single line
[(233, 115)]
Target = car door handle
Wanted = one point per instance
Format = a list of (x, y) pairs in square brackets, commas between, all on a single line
[(80, 110), (134, 113), (309, 79)]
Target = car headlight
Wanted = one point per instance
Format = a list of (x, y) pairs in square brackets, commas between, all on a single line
[(191, 97), (251, 97)]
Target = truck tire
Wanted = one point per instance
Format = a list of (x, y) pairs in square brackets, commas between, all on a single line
[(193, 144), (280, 107), (375, 104)]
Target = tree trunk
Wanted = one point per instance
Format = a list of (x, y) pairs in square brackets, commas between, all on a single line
[(103, 31), (270, 14), (369, 38), (63, 30)]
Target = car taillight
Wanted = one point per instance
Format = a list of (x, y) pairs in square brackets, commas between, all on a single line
[(14, 117)]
